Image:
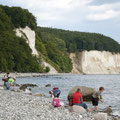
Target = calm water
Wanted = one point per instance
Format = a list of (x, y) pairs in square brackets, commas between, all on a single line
[(111, 83)]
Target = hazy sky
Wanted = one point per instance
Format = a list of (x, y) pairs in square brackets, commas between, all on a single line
[(99, 16)]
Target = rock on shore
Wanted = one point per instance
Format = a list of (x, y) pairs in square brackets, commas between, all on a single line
[(19, 106), (86, 92)]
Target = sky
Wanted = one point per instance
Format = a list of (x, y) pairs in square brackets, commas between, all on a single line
[(96, 16)]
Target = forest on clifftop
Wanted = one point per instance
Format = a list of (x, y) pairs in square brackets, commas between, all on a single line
[(54, 45)]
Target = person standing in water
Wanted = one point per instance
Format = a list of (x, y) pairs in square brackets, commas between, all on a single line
[(96, 98)]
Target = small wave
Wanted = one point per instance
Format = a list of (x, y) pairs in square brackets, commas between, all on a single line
[(116, 113)]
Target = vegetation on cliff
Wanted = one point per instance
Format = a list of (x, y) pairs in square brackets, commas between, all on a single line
[(15, 54), (53, 45), (74, 41)]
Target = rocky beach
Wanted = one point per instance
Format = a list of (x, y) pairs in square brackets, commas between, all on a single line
[(20, 106)]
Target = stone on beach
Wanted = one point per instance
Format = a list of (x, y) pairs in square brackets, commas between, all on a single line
[(116, 118), (39, 94), (48, 85), (1, 88), (24, 86), (108, 110), (100, 116), (86, 92), (78, 109)]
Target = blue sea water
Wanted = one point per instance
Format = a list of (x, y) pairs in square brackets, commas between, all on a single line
[(111, 83)]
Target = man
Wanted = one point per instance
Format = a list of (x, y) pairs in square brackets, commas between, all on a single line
[(78, 100)]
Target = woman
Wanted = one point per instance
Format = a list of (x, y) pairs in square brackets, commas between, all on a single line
[(78, 100)]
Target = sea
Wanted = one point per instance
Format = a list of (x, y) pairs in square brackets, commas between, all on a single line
[(65, 82)]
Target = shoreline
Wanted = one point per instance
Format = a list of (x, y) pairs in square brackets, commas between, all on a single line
[(20, 75)]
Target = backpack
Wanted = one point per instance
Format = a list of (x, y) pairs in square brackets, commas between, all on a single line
[(71, 102)]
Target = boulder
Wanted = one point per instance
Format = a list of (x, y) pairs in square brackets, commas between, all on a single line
[(17, 85), (78, 109), (108, 110), (86, 92), (24, 86), (116, 118), (48, 85), (100, 116)]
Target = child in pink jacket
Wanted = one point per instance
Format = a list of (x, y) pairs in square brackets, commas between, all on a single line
[(56, 102)]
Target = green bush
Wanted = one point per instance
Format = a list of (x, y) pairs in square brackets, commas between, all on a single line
[(47, 69)]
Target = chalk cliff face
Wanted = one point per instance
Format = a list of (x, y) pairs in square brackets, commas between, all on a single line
[(29, 36), (95, 62)]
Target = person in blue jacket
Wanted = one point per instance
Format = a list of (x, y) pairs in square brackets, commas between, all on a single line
[(55, 92)]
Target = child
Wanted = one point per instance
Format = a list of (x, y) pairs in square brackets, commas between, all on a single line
[(5, 79), (56, 102), (55, 93), (96, 97)]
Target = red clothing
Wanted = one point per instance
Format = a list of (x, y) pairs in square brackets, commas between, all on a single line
[(77, 98)]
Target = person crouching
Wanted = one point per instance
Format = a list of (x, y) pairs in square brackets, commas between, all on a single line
[(56, 102), (55, 95)]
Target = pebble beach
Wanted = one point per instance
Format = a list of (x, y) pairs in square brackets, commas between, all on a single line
[(20, 106)]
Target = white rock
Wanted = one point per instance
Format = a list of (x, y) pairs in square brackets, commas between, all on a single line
[(62, 103), (27, 91), (1, 88), (100, 116), (78, 109), (29, 36)]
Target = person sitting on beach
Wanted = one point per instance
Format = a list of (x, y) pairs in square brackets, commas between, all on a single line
[(5, 79), (96, 97), (14, 83), (78, 100), (55, 92), (11, 81)]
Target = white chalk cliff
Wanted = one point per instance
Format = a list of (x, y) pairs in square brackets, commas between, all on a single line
[(95, 62), (29, 36)]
